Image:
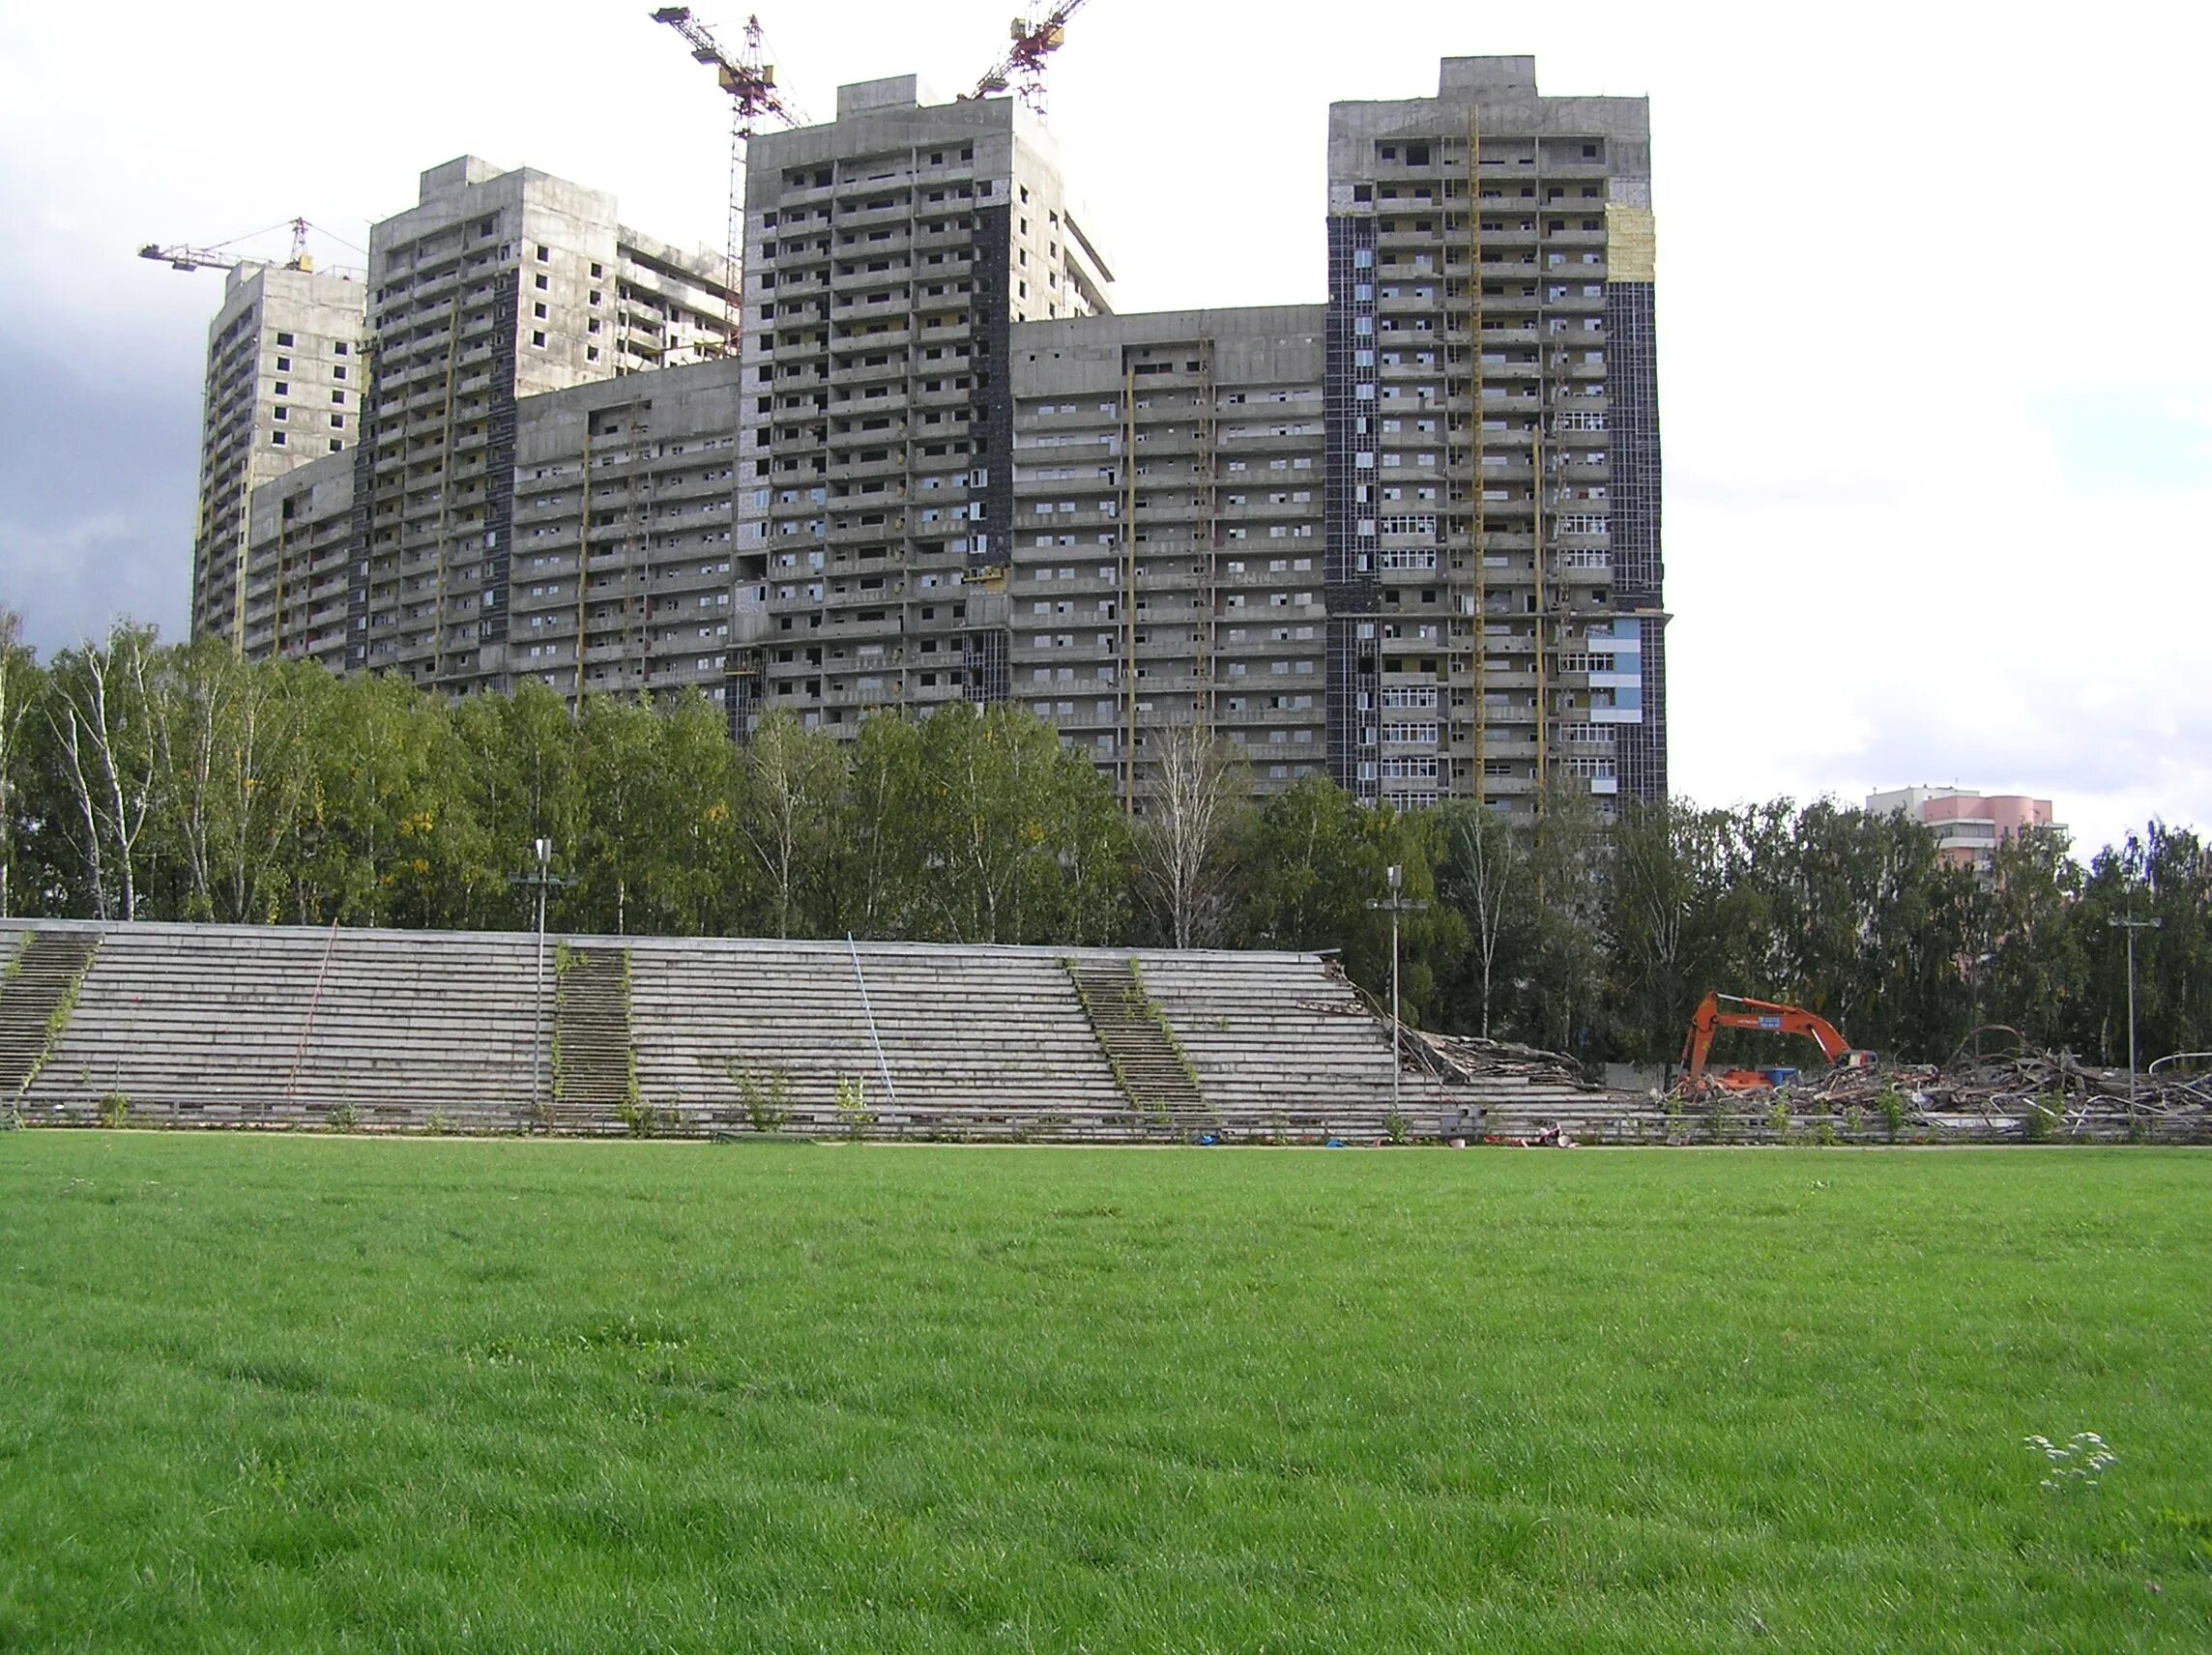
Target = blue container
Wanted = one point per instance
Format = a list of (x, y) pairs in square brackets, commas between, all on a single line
[(1778, 1077)]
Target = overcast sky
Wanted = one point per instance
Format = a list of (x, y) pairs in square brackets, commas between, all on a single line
[(1936, 362)]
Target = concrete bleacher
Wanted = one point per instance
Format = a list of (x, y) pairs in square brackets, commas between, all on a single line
[(243, 1025), (272, 1025)]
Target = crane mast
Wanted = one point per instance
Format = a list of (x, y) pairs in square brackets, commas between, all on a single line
[(750, 81)]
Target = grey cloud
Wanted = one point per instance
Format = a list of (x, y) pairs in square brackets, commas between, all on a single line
[(95, 489)]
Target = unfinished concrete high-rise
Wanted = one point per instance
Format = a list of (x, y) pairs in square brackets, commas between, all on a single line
[(1496, 615), (284, 344), (1408, 537), (495, 287), (1167, 559), (888, 256)]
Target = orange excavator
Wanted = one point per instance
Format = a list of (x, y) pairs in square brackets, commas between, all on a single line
[(1731, 1011)]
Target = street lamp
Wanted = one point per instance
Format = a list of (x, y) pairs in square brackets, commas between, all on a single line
[(1397, 905), (2131, 926)]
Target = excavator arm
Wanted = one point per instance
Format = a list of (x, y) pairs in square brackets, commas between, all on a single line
[(1717, 1011)]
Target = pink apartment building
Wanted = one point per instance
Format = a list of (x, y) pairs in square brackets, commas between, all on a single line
[(1969, 826)]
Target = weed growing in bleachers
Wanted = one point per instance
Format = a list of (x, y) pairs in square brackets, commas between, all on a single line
[(764, 1096), (852, 1113)]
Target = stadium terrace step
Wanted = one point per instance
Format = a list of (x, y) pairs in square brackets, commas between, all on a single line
[(36, 998), (1147, 1063), (594, 1064)]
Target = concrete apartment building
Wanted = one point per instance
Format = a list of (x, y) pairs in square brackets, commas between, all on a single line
[(495, 290), (1409, 537), (888, 258), (1969, 826), (618, 505), (285, 343), (1167, 560), (1495, 619), (497, 286)]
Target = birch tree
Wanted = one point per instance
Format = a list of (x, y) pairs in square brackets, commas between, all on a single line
[(1194, 804), (1486, 878), (19, 686), (106, 716), (788, 784)]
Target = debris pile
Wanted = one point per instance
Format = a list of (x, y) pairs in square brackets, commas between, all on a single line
[(2011, 1086), (1466, 1060)]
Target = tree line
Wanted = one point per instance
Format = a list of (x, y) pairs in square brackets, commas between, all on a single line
[(151, 781)]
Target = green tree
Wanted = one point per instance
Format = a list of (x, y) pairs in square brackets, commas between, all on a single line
[(2035, 968), (881, 860), (107, 715), (1318, 859), (23, 687), (388, 836), (618, 749), (2163, 874), (1196, 811), (1020, 838), (1562, 986), (1485, 877), (789, 782), (524, 785)]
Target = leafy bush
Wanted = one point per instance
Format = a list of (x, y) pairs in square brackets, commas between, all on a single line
[(852, 1113), (114, 1110), (345, 1117), (1891, 1103), (764, 1097)]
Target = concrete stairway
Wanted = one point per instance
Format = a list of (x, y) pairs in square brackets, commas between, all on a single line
[(1147, 1063), (1286, 1050), (592, 1080), (42, 981)]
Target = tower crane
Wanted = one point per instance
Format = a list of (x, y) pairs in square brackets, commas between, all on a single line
[(750, 81), (1021, 70), (215, 258)]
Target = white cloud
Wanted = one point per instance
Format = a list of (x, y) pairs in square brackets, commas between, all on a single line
[(1921, 269)]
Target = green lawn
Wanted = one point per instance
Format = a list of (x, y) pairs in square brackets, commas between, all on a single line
[(302, 1393)]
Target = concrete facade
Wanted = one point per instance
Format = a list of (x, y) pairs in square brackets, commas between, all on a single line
[(1167, 556), (1409, 537), (1493, 441), (496, 287), (888, 256), (621, 575), (284, 371)]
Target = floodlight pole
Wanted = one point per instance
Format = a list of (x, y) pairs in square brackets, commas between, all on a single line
[(541, 853), (542, 850), (2131, 926), (1395, 877)]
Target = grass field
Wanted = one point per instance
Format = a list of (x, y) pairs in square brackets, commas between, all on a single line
[(444, 1396)]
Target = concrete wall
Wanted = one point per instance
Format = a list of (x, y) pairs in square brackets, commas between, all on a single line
[(284, 376)]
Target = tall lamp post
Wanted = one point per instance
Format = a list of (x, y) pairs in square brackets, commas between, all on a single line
[(2131, 925), (540, 876), (1397, 905)]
